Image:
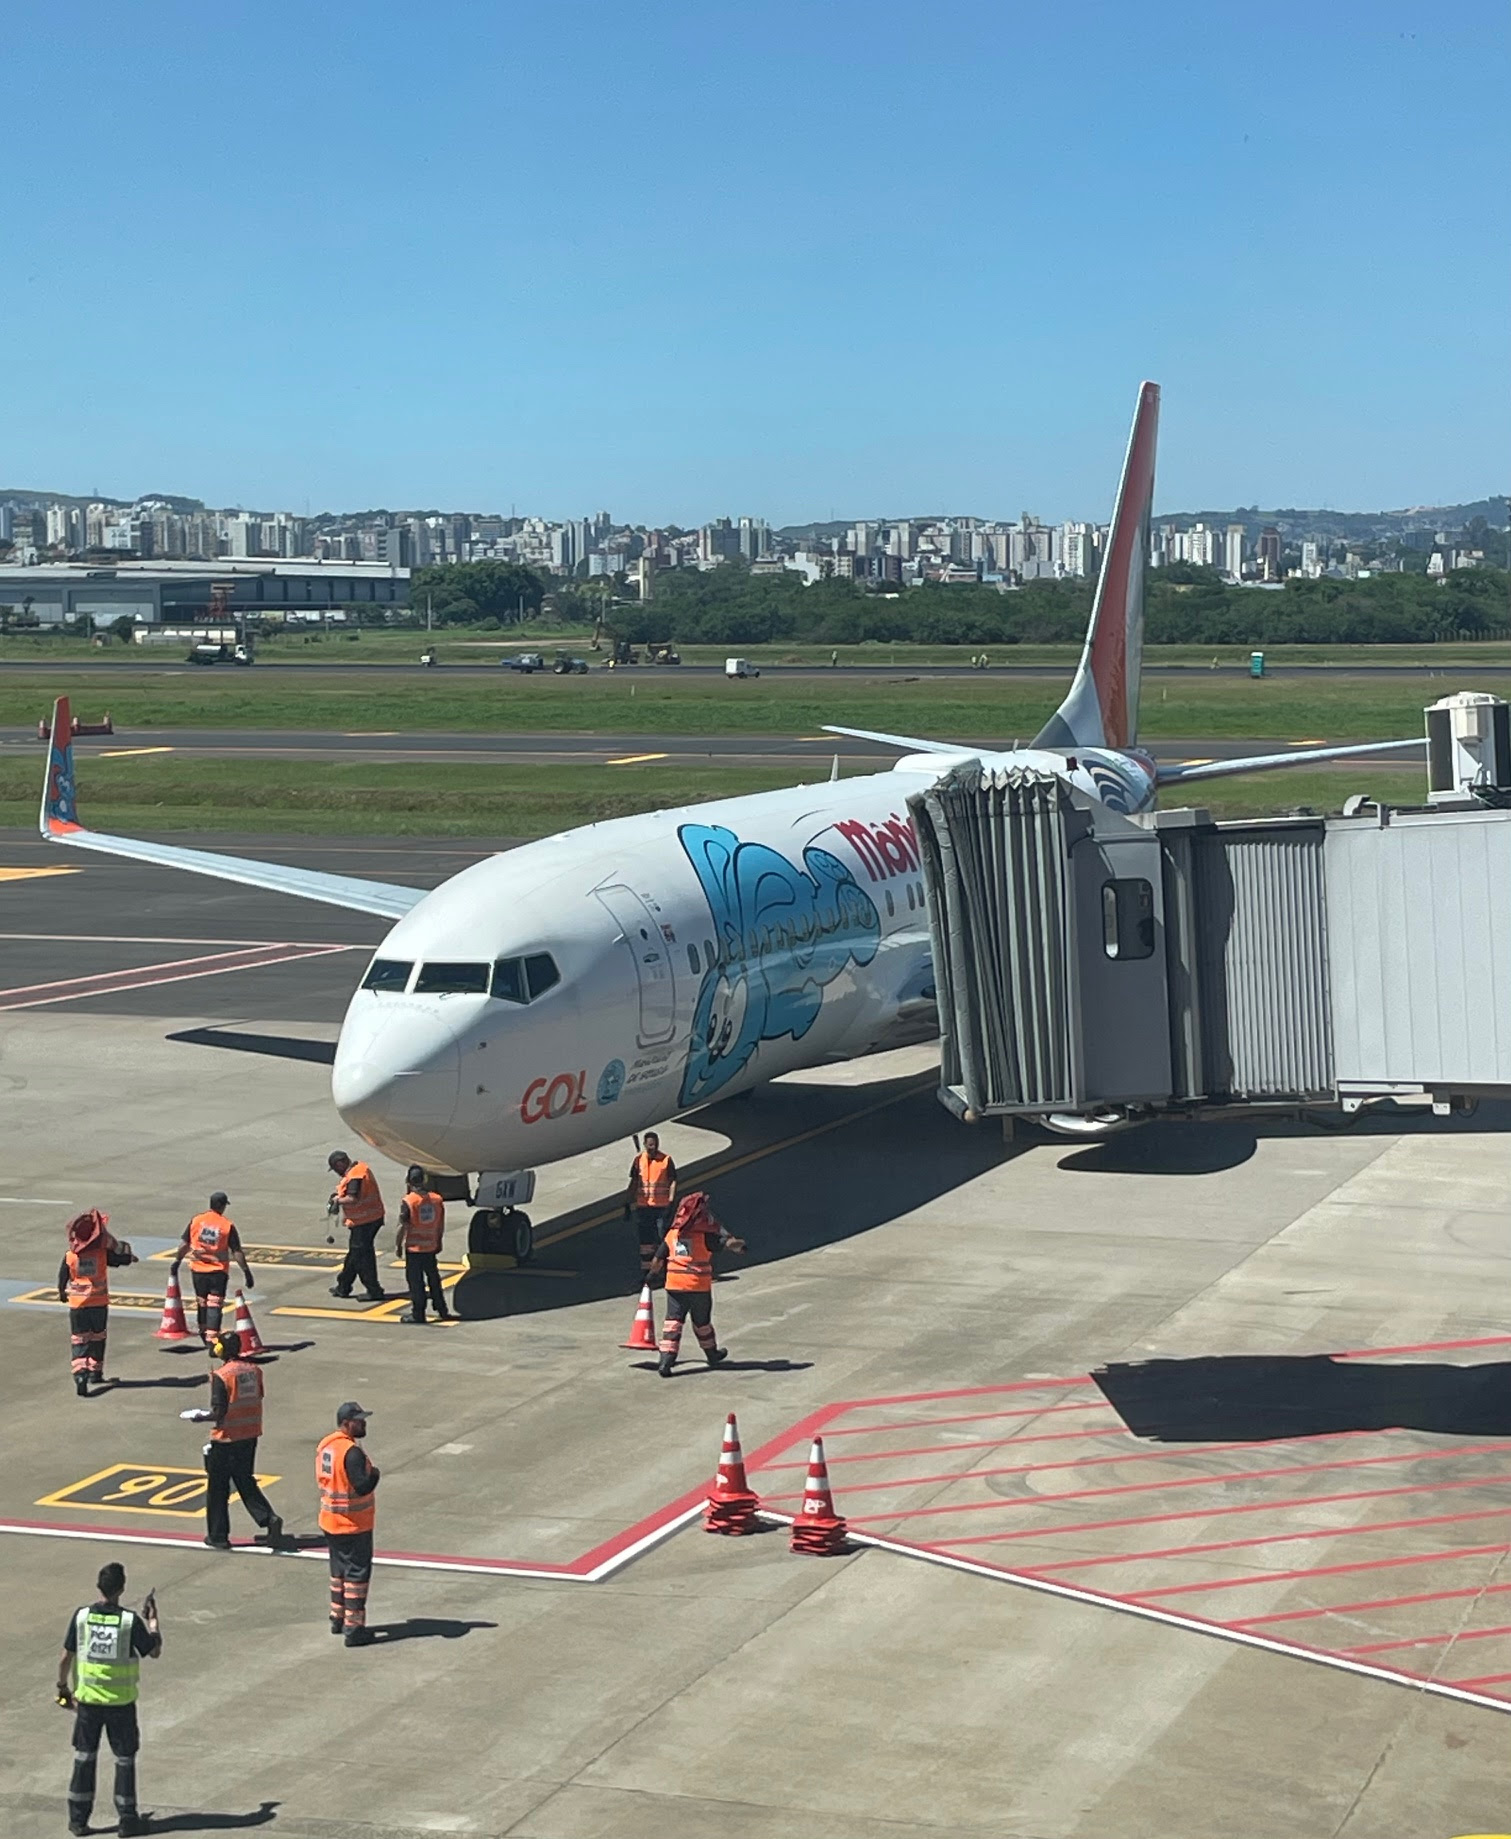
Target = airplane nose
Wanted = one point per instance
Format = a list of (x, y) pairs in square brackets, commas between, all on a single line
[(396, 1079)]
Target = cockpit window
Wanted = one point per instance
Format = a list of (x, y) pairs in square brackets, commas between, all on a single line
[(387, 974), (452, 980), (509, 980), (541, 974)]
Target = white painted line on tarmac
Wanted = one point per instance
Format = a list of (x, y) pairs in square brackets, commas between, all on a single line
[(1167, 1618)]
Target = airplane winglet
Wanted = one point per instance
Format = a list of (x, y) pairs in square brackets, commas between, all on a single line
[(60, 810)]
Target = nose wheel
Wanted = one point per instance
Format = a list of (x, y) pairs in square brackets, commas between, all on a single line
[(501, 1233)]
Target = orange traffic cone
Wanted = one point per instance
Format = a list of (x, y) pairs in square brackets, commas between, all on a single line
[(731, 1508), (643, 1335), (251, 1341), (818, 1530), (172, 1327)]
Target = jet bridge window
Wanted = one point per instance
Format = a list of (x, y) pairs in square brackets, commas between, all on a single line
[(452, 980), (1128, 918), (387, 974)]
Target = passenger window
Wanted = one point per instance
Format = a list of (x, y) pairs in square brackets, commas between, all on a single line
[(709, 959), (692, 959), (509, 980), (541, 974), (891, 904), (452, 980), (387, 974), (912, 903), (1128, 919)]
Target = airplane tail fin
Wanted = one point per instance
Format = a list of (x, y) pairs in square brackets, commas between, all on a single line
[(1101, 707), (60, 813)]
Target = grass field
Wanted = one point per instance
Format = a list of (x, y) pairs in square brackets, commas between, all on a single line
[(363, 799), (977, 709)]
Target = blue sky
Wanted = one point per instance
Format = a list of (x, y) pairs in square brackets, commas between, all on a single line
[(677, 260)]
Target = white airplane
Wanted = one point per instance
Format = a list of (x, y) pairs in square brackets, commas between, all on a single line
[(575, 990)]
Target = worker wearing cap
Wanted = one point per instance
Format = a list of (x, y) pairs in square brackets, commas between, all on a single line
[(98, 1676), (650, 1197), (84, 1284), (210, 1242), (347, 1482), (357, 1200), (687, 1258), (236, 1395), (422, 1225)]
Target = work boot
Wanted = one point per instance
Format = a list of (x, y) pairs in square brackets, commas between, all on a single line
[(78, 1827), (359, 1637), (219, 1545), (668, 1361), (81, 1384), (345, 1295), (338, 1628), (412, 1320), (445, 1315), (273, 1531), (132, 1825), (717, 1355), (375, 1296)]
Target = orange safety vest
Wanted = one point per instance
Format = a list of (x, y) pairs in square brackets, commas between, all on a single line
[(341, 1511), (427, 1222), (243, 1418), (689, 1259), (88, 1275), (365, 1207), (210, 1242), (653, 1176)]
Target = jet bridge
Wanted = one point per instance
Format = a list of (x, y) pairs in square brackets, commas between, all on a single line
[(1095, 970)]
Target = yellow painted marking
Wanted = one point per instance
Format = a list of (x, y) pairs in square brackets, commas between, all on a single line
[(739, 1162), (819, 737), (296, 1257), (130, 753), (385, 1313), (635, 759), (1206, 762), (369, 734), (119, 1299), (137, 1487), (34, 874)]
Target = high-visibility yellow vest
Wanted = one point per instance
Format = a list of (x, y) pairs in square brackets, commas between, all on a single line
[(106, 1671)]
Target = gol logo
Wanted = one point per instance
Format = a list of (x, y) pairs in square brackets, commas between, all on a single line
[(553, 1098)]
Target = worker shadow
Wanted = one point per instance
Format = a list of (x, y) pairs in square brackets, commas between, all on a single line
[(1264, 1398), (422, 1628), (174, 1381), (187, 1822), (275, 1046), (691, 1369), (806, 1164)]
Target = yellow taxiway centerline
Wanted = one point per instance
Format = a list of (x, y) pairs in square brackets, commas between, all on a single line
[(636, 759)]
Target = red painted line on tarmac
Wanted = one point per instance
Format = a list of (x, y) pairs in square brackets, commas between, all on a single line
[(1159, 1487), (147, 976), (1384, 1602), (1448, 1553), (1205, 1513), (937, 1449), (970, 1417), (1468, 1634), (1292, 1538), (924, 1398), (1485, 1679), (1422, 1347)]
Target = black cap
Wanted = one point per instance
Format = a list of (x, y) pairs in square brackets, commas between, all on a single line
[(351, 1409), (336, 1155)]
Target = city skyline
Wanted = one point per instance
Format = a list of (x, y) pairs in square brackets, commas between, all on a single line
[(848, 258)]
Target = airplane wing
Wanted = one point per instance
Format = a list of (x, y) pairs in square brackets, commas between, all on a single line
[(60, 824), (908, 743), (1263, 763)]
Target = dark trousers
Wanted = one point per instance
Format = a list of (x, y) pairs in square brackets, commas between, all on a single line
[(86, 1340), (117, 1723), (423, 1273), (351, 1556), (229, 1465), (209, 1301), (361, 1260), (650, 1227), (699, 1306)]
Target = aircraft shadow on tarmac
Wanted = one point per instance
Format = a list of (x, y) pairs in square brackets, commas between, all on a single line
[(276, 1046), (898, 1152), (1193, 1147), (1258, 1398)]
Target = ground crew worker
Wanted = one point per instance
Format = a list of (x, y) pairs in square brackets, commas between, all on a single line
[(687, 1258), (236, 1394), (347, 1482), (422, 1224), (360, 1205), (97, 1681), (210, 1242), (84, 1284), (650, 1197)]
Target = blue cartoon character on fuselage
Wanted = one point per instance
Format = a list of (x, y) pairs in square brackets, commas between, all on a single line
[(783, 934)]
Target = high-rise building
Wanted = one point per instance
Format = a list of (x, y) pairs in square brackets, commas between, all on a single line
[(1075, 549), (755, 538), (902, 541), (717, 542), (1269, 553), (1311, 557), (1202, 545), (863, 538), (1232, 551)]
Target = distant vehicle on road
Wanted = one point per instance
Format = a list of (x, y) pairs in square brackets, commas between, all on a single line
[(739, 667), (663, 654), (429, 658), (568, 666), (527, 661), (220, 654)]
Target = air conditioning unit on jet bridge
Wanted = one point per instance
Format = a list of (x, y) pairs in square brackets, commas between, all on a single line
[(1469, 750)]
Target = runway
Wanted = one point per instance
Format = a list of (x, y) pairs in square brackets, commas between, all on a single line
[(801, 752)]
